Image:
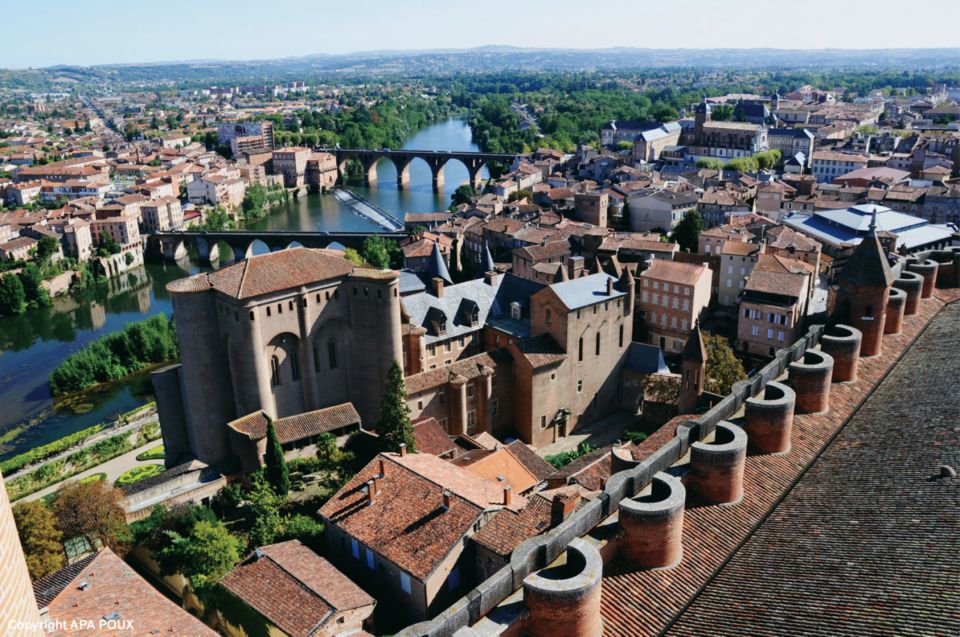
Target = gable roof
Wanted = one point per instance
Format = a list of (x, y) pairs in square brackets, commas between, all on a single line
[(113, 587), (294, 588), (406, 521), (498, 466)]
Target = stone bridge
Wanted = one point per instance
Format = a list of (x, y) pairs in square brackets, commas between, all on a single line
[(172, 245), (474, 162)]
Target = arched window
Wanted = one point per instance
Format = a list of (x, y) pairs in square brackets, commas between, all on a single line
[(332, 352), (621, 335), (580, 349), (275, 371)]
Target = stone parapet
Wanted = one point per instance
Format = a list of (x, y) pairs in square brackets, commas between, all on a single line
[(564, 600)]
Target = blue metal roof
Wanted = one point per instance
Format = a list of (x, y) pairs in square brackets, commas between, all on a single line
[(586, 291)]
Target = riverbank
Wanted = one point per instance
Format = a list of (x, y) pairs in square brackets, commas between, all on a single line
[(34, 343), (88, 456)]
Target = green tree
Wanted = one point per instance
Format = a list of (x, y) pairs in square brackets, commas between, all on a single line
[(381, 253), (463, 194), (353, 257), (276, 470), (709, 162), (721, 113), (688, 231), (263, 511), (394, 426), (624, 145), (13, 300), (47, 247), (39, 537), (32, 280), (204, 555), (723, 367)]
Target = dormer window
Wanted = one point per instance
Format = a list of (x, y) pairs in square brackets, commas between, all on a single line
[(474, 316), (442, 326)]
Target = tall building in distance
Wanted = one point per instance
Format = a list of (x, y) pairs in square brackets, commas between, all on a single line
[(246, 136)]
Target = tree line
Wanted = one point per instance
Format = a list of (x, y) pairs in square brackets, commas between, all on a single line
[(138, 345)]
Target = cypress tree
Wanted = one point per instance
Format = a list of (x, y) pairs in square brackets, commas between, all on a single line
[(276, 466), (394, 426)]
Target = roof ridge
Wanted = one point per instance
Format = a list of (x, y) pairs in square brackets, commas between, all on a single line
[(243, 277)]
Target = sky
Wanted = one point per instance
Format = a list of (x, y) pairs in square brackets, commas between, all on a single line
[(42, 33)]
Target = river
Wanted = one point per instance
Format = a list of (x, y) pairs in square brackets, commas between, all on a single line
[(32, 345)]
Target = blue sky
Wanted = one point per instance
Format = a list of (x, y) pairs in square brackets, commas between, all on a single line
[(42, 32)]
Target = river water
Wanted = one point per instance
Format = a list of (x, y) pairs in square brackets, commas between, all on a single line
[(32, 345)]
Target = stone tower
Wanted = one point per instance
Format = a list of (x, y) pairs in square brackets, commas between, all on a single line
[(701, 115), (18, 607), (694, 371), (865, 284)]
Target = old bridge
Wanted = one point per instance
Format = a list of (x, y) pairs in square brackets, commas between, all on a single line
[(173, 244), (436, 159)]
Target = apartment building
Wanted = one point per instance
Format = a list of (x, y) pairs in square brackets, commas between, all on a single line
[(673, 296)]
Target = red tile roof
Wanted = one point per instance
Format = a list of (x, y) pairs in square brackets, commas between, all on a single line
[(294, 588), (299, 426), (430, 437), (406, 521), (638, 602), (266, 273), (114, 587)]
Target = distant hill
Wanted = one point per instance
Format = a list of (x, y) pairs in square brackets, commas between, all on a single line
[(490, 59)]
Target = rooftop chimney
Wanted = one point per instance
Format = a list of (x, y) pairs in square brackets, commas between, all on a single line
[(562, 506), (403, 449), (574, 267), (446, 500), (437, 284), (372, 489), (491, 277), (609, 286), (383, 468), (507, 495)]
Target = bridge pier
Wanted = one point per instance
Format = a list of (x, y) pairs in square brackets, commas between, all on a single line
[(370, 173), (209, 251), (403, 173), (476, 180)]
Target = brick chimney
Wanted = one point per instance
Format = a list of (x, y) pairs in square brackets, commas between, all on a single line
[(403, 449), (574, 267), (507, 495), (562, 506), (609, 286), (446, 500), (437, 285), (383, 467), (373, 487), (491, 278)]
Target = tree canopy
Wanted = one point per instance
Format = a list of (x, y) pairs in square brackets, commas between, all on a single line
[(687, 232), (394, 426), (723, 367), (276, 470), (92, 510), (39, 537)]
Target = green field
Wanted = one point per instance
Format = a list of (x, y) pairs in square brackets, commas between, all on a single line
[(152, 454)]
